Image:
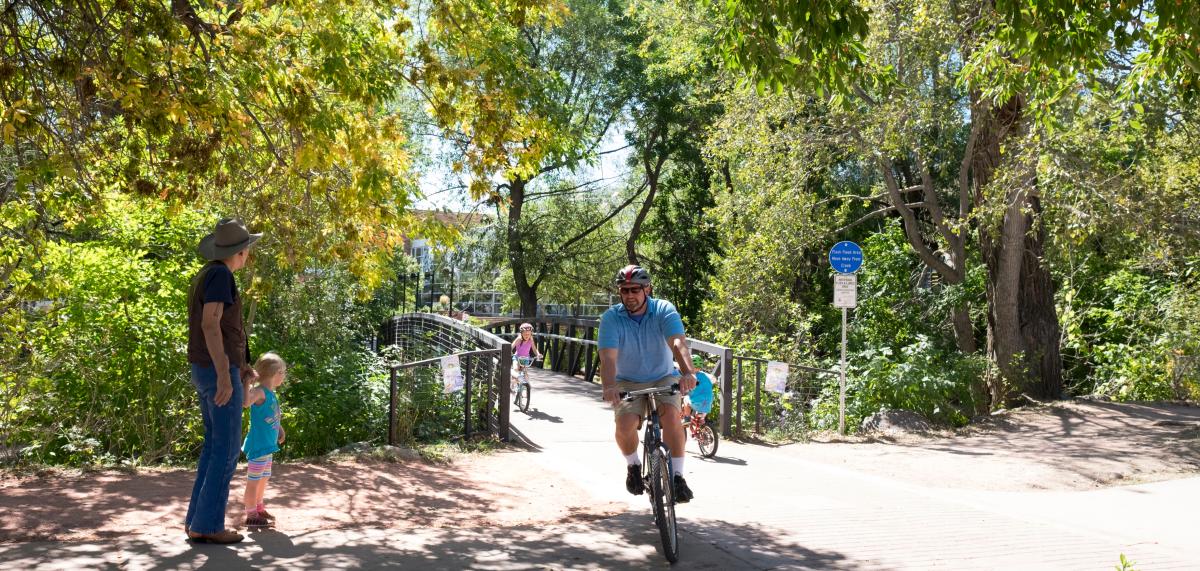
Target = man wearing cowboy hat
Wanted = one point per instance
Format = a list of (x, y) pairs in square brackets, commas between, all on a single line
[(219, 355)]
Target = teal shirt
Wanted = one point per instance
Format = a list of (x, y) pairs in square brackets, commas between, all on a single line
[(263, 437)]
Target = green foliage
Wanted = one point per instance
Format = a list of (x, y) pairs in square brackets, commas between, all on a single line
[(336, 391), (571, 265), (272, 110), (103, 376), (814, 43), (931, 378), (685, 236), (1138, 342), (902, 353)]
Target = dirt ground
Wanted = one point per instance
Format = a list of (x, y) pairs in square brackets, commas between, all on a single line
[(1069, 446)]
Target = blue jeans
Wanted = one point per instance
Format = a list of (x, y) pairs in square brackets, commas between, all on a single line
[(222, 446)]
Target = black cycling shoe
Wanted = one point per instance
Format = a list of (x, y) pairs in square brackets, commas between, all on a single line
[(683, 494), (633, 480)]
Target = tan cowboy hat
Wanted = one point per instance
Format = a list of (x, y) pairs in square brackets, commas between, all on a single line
[(228, 238)]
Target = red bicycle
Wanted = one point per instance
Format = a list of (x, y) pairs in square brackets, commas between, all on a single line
[(703, 433)]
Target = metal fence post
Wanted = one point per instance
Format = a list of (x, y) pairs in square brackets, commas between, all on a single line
[(740, 364), (726, 391), (466, 402), (394, 396), (504, 377), (757, 397)]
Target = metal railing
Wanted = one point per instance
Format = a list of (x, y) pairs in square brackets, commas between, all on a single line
[(569, 345), (802, 388), (421, 340)]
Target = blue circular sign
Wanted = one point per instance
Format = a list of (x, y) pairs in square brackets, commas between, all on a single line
[(845, 257)]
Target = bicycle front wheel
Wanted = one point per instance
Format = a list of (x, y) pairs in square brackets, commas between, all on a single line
[(663, 497), (523, 397), (706, 437)]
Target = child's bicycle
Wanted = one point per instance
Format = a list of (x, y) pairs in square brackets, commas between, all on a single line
[(702, 432), (656, 471), (521, 388)]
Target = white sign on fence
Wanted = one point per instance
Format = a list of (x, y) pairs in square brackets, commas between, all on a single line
[(777, 375), (845, 290), (452, 375)]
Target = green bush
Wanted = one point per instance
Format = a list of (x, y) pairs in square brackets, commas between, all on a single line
[(104, 377)]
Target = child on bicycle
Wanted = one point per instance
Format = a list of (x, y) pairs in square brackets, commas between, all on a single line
[(700, 400), (265, 436), (524, 348)]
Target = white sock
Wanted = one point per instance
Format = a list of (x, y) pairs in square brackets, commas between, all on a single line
[(633, 459), (677, 465)]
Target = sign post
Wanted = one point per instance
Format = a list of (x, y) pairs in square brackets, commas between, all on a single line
[(846, 258)]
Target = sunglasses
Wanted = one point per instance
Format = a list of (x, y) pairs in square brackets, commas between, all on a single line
[(635, 289)]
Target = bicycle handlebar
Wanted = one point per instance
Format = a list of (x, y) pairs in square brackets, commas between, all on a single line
[(630, 395)]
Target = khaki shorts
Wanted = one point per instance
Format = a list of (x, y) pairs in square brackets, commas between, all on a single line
[(640, 405)]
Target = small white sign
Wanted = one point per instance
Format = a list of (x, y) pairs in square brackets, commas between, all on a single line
[(845, 290), (777, 375), (452, 376)]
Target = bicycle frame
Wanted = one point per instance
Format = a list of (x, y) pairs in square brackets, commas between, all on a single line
[(657, 474), (694, 422), (652, 435), (523, 364), (652, 438)]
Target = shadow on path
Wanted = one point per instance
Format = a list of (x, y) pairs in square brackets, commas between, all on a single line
[(625, 541)]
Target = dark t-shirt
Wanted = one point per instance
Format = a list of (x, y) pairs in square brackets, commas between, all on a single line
[(219, 285), (216, 283)]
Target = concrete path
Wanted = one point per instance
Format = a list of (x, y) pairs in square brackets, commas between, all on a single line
[(756, 507)]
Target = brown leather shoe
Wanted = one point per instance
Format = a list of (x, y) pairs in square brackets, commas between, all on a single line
[(223, 537)]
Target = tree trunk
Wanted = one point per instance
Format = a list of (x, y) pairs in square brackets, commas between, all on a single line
[(526, 290), (653, 170), (1023, 332)]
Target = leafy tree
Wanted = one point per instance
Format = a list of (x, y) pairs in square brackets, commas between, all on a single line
[(571, 239), (561, 81), (672, 110), (1020, 57)]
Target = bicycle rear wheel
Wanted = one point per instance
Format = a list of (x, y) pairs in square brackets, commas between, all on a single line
[(663, 498), (706, 437), (523, 397)]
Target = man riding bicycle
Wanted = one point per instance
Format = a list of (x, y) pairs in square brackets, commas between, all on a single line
[(640, 341)]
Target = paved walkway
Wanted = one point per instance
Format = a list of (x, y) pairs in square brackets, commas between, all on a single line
[(756, 507)]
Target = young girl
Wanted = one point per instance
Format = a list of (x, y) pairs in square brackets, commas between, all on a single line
[(265, 436), (525, 345)]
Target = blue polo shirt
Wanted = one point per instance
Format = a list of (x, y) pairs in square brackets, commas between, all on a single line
[(643, 355)]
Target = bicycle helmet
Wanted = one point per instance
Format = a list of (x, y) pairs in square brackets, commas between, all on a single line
[(526, 327), (632, 274)]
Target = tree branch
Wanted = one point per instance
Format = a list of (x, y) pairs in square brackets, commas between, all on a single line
[(597, 225), (911, 229)]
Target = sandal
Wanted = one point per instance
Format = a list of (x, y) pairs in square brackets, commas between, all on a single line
[(223, 537)]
